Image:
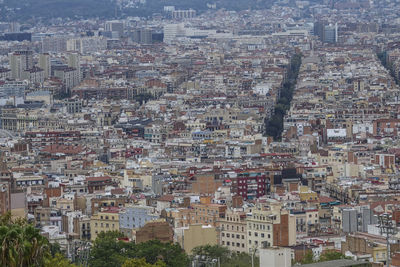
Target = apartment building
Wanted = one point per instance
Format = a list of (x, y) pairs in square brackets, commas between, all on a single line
[(104, 221), (233, 231)]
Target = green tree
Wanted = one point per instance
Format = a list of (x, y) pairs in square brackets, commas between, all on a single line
[(107, 250), (55, 249), (58, 260), (142, 263), (331, 255), (171, 254), (308, 258), (22, 245), (274, 125)]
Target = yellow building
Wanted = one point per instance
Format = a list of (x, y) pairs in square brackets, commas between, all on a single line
[(136, 179), (379, 253), (196, 235), (307, 194), (104, 221)]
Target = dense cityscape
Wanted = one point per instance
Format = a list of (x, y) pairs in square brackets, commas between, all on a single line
[(156, 133)]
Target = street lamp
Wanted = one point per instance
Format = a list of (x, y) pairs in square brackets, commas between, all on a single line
[(386, 227)]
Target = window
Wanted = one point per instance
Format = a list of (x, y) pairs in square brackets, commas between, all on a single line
[(262, 235), (249, 233)]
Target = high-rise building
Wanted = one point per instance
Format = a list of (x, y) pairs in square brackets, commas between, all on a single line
[(74, 45), (146, 36), (142, 36), (114, 26), (74, 62), (34, 75), (330, 34), (54, 44), (20, 61), (354, 220), (171, 31), (87, 44), (349, 220), (327, 33), (44, 63), (69, 77), (183, 14)]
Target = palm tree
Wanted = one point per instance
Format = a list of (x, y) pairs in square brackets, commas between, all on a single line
[(21, 244)]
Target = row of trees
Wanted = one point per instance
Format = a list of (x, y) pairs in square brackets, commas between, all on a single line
[(329, 255), (108, 250), (274, 126), (382, 58)]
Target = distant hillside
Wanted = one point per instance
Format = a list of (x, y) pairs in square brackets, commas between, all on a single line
[(28, 9), (31, 9)]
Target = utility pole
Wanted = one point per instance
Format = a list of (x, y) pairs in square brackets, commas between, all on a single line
[(387, 228)]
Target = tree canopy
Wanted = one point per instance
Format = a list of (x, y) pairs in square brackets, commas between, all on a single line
[(142, 263), (107, 250), (22, 245), (328, 255), (274, 125)]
